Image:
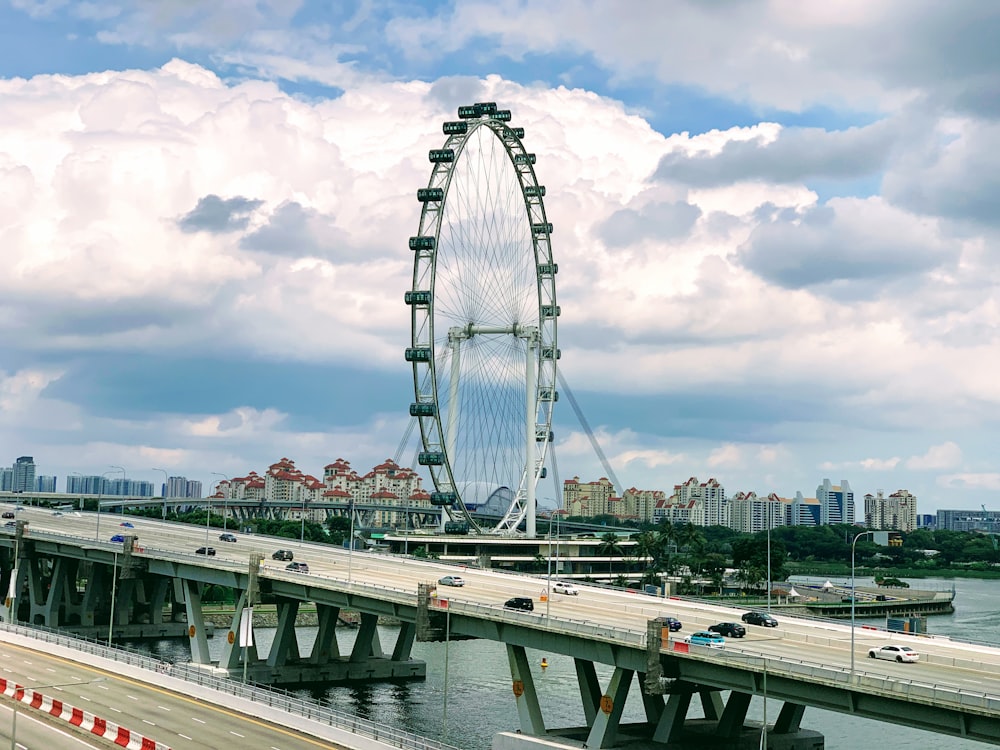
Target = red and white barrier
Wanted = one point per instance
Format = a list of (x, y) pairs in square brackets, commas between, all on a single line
[(86, 721)]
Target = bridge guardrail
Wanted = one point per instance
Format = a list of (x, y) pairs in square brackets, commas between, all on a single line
[(274, 698)]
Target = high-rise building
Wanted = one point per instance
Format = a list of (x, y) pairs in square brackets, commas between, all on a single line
[(181, 487), (24, 474), (898, 512), (45, 484), (6, 479), (836, 502), (77, 484)]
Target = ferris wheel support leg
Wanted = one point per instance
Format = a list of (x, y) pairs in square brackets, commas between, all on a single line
[(455, 344), (530, 417)]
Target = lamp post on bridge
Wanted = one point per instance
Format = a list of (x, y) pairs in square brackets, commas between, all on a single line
[(882, 539), (100, 495), (225, 500), (123, 487), (166, 481)]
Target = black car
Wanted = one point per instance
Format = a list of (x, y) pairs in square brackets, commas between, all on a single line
[(729, 629), (205, 551), (8, 514), (282, 554), (760, 618), (669, 622), (297, 567), (523, 603), (227, 537)]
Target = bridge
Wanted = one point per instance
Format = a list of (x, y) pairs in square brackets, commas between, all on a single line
[(67, 577)]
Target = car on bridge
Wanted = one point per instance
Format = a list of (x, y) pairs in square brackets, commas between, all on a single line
[(452, 581), (672, 623), (760, 618), (892, 652), (729, 629), (523, 603), (297, 567), (127, 525), (283, 554), (705, 638), (210, 551), (562, 587), (118, 538), (227, 537), (8, 514)]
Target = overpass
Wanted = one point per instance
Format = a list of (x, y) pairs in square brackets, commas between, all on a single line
[(64, 572)]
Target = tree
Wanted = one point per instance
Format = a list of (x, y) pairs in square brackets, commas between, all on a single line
[(609, 546)]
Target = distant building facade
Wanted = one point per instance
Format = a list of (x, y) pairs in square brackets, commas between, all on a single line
[(898, 512), (836, 502), (969, 520), (45, 483), (24, 474), (181, 487)]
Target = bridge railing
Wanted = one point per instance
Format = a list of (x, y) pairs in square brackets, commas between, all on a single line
[(274, 698)]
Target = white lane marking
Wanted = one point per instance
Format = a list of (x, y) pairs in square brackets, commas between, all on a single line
[(198, 720), (236, 733), (147, 721), (103, 687), (132, 697), (184, 736), (115, 709), (50, 669), (163, 708)]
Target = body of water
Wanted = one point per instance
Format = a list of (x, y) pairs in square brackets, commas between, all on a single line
[(472, 702)]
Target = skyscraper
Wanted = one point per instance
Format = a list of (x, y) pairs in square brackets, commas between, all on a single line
[(24, 474), (836, 502)]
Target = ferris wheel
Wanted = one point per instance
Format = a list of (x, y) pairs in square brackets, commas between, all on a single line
[(483, 309)]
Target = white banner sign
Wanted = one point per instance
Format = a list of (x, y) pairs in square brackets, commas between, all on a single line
[(246, 628)]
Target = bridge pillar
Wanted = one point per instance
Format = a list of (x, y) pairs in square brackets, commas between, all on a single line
[(285, 647), (366, 644), (325, 647), (730, 726), (789, 718), (711, 703), (604, 730), (590, 688), (670, 725), (159, 587), (525, 696), (404, 641), (197, 633), (232, 653)]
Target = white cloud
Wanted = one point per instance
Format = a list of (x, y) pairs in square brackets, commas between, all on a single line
[(972, 481), (945, 456)]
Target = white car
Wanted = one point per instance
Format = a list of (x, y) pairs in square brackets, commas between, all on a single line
[(894, 653), (452, 581), (561, 587)]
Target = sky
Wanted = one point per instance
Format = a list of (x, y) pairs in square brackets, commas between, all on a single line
[(775, 222)]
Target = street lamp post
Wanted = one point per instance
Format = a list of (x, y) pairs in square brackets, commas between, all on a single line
[(856, 538), (166, 481), (100, 494), (769, 557), (225, 500), (350, 544), (114, 588), (124, 484)]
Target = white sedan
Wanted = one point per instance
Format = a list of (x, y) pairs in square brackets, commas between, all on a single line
[(894, 653), (451, 581), (561, 587)]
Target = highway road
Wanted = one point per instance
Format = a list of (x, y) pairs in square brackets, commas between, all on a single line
[(169, 717), (796, 639)]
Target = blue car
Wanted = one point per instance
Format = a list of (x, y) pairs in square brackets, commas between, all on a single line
[(127, 524), (118, 538), (705, 638)]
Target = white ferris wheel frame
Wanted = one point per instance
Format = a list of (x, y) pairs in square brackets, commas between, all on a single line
[(539, 335)]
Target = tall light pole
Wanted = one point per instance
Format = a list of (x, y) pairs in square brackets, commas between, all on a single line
[(225, 500), (166, 481), (350, 542), (769, 557), (114, 587), (856, 538), (124, 482), (100, 494)]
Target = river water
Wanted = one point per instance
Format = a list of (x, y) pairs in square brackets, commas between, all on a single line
[(473, 701)]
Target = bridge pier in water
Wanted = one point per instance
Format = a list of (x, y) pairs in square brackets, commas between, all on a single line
[(722, 725)]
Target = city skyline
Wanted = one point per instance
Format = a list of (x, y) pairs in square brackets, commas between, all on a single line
[(772, 225)]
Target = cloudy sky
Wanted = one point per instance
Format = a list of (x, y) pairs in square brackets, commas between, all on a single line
[(776, 227)]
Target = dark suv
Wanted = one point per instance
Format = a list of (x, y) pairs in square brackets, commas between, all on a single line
[(523, 603), (760, 618), (282, 554), (729, 629), (668, 622)]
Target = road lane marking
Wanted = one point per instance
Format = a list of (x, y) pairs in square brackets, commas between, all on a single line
[(198, 720)]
